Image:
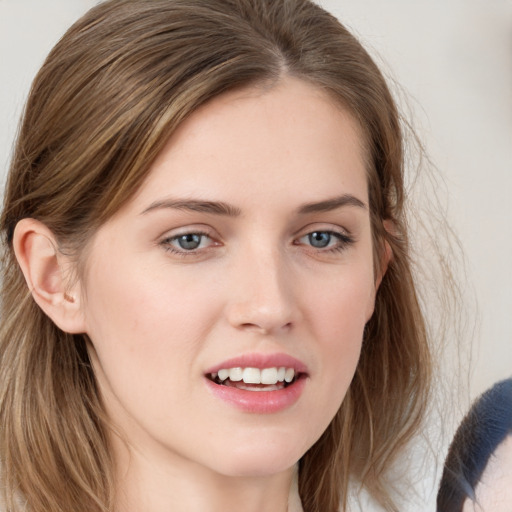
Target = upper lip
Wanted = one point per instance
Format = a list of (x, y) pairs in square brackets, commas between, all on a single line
[(257, 360)]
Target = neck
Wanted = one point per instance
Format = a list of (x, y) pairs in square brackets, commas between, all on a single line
[(153, 485)]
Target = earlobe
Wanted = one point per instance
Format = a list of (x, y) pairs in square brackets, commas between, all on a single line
[(46, 272), (386, 254), (384, 258)]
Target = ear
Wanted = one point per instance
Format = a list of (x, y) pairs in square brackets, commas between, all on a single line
[(386, 254), (46, 271)]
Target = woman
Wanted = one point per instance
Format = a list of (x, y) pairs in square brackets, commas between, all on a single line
[(207, 292)]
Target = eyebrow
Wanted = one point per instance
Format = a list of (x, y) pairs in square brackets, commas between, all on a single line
[(225, 209), (193, 205), (332, 204)]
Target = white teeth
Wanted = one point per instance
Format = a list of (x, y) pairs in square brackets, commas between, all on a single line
[(223, 374), (266, 376), (269, 376), (235, 374), (248, 387), (289, 375), (252, 376)]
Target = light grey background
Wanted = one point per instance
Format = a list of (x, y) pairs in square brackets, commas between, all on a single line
[(454, 60)]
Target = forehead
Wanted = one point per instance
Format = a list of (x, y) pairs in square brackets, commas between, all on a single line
[(262, 142)]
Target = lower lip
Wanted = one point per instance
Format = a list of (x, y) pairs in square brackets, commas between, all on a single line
[(259, 402)]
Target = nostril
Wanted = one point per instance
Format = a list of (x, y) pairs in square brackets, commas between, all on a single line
[(254, 327), (263, 328)]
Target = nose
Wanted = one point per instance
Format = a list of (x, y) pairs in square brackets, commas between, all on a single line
[(262, 297)]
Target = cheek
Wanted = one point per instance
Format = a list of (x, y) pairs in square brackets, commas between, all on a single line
[(141, 323), (146, 331), (139, 292), (339, 314), (342, 304)]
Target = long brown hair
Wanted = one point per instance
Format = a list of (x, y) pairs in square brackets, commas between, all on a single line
[(106, 100)]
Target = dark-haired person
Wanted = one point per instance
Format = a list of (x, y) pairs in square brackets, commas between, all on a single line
[(477, 475)]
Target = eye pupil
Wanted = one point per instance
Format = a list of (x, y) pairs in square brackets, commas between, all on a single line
[(189, 241), (319, 239)]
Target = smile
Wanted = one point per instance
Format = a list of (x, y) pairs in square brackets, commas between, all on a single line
[(258, 383), (254, 379)]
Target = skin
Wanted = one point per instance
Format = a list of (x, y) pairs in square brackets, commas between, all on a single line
[(494, 491), (158, 316)]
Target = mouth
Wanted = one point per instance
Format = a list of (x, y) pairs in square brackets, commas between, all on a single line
[(258, 383), (256, 379)]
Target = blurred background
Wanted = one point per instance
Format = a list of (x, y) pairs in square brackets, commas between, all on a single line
[(452, 60)]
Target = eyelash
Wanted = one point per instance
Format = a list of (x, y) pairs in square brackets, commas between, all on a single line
[(343, 242), (166, 243)]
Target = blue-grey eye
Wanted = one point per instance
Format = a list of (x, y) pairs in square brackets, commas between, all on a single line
[(189, 242), (319, 239)]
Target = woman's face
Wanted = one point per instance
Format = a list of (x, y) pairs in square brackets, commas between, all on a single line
[(246, 254)]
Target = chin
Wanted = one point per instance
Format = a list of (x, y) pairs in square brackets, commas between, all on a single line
[(260, 448), (258, 460)]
